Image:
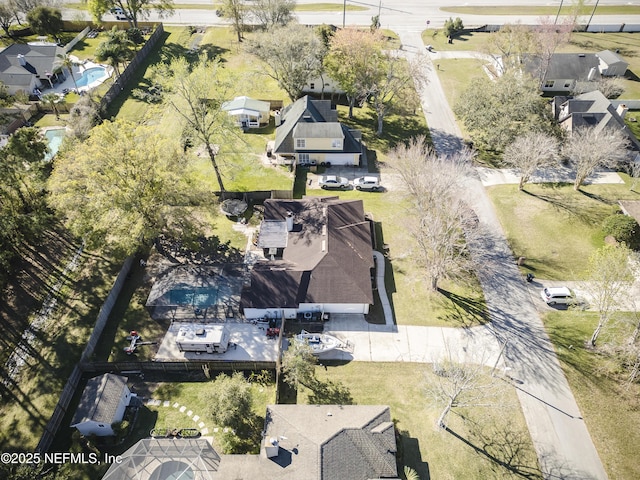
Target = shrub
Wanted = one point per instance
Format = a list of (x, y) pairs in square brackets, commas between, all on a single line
[(622, 227)]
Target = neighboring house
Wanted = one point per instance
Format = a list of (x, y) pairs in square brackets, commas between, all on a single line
[(592, 109), (566, 70), (320, 442), (248, 112), (323, 85), (103, 402), (320, 259), (25, 67), (308, 132)]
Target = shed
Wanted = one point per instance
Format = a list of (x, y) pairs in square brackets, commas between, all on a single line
[(611, 64)]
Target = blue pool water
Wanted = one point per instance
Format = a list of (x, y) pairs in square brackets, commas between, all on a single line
[(54, 138), (91, 75)]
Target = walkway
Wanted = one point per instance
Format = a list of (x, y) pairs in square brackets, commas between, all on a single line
[(560, 436)]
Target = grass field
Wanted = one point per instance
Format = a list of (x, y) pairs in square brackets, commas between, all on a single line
[(423, 447), (555, 227), (610, 410)]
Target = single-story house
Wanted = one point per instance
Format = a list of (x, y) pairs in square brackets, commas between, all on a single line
[(592, 109), (320, 442), (103, 403), (25, 67), (566, 70), (248, 112), (322, 85), (319, 258), (308, 132)]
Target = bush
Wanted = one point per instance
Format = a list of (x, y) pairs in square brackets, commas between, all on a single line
[(621, 227)]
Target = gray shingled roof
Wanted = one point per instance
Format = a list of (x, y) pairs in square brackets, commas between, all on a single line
[(40, 59), (322, 442), (328, 258), (575, 66), (100, 399), (611, 58)]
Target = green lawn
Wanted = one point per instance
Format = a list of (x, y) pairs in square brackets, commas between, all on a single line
[(464, 454), (611, 411), (555, 227)]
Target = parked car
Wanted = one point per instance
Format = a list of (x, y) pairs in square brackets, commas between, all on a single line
[(367, 183), (117, 11), (557, 295), (333, 182)]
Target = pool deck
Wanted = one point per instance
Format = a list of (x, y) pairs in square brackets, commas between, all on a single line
[(69, 85)]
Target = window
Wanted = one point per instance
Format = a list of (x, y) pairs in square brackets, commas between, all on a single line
[(303, 158), (549, 83), (567, 84), (336, 143), (301, 143), (313, 86), (100, 425)]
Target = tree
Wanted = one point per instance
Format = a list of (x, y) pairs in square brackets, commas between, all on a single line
[(509, 45), (440, 223), (351, 59), (119, 187), (609, 277), (589, 148), (298, 365), (530, 152), (45, 20), (196, 95), (83, 116), (116, 49), (7, 16), (229, 400), (548, 36), (272, 13), (68, 63), (235, 11), (495, 112), (451, 26), (291, 57), (53, 100), (135, 9)]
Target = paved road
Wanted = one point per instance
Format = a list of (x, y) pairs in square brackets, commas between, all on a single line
[(560, 436)]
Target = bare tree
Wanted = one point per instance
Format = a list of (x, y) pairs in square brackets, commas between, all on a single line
[(590, 148), (610, 87), (529, 152), (633, 169), (272, 13), (235, 11), (509, 45), (549, 35), (290, 56), (440, 222), (609, 278)]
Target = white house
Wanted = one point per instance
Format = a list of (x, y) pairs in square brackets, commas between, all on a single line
[(248, 112), (308, 132), (323, 85), (320, 260), (103, 402)]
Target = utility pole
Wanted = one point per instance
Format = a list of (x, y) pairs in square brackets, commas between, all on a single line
[(558, 14), (592, 13), (344, 12)]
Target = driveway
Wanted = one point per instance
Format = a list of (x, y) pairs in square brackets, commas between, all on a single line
[(560, 436)]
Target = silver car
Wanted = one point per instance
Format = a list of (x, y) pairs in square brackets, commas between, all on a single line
[(367, 183), (333, 182)]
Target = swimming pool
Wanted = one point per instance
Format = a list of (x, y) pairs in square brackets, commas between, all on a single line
[(54, 138), (90, 75)]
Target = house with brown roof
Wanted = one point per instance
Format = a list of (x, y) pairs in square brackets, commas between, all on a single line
[(103, 403), (318, 258), (308, 132)]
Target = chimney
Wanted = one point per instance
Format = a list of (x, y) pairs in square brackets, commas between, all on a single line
[(278, 118), (21, 60), (289, 222), (622, 110), (271, 447), (592, 74)]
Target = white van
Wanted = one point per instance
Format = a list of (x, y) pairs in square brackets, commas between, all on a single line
[(557, 295)]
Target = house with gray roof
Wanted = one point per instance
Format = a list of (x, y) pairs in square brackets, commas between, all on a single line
[(318, 258), (566, 70), (25, 67), (103, 403), (248, 112), (320, 442), (308, 132), (592, 110)]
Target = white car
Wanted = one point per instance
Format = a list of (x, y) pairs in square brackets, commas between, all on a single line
[(367, 183), (333, 182), (557, 295)]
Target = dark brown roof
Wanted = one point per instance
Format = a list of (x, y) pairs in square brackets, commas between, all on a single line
[(100, 399), (328, 258)]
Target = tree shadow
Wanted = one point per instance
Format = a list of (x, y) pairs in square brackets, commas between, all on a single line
[(502, 447), (464, 310), (329, 393)]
